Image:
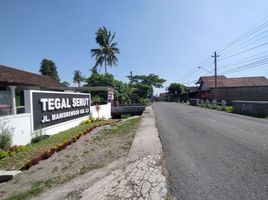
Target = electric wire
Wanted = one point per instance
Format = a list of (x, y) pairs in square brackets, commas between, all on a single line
[(247, 66), (253, 30)]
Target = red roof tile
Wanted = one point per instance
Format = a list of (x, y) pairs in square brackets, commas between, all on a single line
[(12, 76), (222, 81)]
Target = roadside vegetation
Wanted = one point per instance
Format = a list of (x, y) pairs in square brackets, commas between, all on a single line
[(139, 89), (228, 109), (31, 154), (90, 152), (5, 136)]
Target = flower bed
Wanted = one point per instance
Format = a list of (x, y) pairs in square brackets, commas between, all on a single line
[(47, 147), (12, 151)]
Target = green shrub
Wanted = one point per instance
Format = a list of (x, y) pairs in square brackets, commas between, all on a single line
[(229, 109), (5, 135), (4, 154)]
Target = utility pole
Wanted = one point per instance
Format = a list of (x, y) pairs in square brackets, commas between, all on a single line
[(131, 76), (215, 56), (131, 80)]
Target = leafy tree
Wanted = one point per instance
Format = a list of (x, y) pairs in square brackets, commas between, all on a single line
[(48, 68), (96, 99), (97, 79), (67, 84), (141, 93), (78, 78), (175, 89), (106, 53), (151, 79), (142, 87), (124, 91), (108, 80)]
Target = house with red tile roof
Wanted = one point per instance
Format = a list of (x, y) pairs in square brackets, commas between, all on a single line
[(32, 104), (13, 83), (208, 82), (240, 88)]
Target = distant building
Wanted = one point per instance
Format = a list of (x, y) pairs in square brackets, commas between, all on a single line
[(241, 88), (188, 93)]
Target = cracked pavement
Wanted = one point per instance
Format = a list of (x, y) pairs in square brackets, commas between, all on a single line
[(140, 176), (143, 177)]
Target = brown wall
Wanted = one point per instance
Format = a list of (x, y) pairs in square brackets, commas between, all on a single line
[(256, 108), (258, 93)]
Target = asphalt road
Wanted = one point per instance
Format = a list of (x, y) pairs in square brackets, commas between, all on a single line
[(213, 155)]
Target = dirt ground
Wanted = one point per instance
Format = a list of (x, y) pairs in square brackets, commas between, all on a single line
[(92, 151)]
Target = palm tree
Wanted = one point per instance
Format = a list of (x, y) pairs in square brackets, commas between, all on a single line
[(78, 78), (106, 53)]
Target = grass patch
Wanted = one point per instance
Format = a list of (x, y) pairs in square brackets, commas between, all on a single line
[(125, 116), (19, 159), (36, 189), (86, 169), (106, 148), (210, 106), (117, 130)]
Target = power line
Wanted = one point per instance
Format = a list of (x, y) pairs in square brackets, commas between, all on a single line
[(244, 51), (192, 71), (241, 42), (251, 58), (247, 66), (253, 30), (247, 43)]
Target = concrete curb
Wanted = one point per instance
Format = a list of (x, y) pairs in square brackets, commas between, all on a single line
[(146, 141), (143, 175), (140, 176)]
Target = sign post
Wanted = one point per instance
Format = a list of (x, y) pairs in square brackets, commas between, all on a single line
[(52, 108)]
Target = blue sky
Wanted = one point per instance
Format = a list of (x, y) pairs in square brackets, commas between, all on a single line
[(170, 38)]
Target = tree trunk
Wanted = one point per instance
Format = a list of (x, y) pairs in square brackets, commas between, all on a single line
[(105, 64)]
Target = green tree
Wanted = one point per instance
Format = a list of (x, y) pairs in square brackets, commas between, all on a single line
[(78, 78), (48, 68), (124, 91), (67, 84), (175, 89), (97, 79), (106, 53), (151, 79), (142, 86), (141, 93), (108, 80)]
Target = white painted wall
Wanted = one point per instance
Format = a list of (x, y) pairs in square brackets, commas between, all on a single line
[(21, 124), (104, 111), (22, 127)]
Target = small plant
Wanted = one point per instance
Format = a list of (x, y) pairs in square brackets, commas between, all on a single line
[(96, 100), (12, 151), (229, 109), (38, 132), (4, 154), (125, 116), (45, 148), (6, 133)]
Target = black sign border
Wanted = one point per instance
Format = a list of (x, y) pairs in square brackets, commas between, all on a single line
[(37, 113)]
